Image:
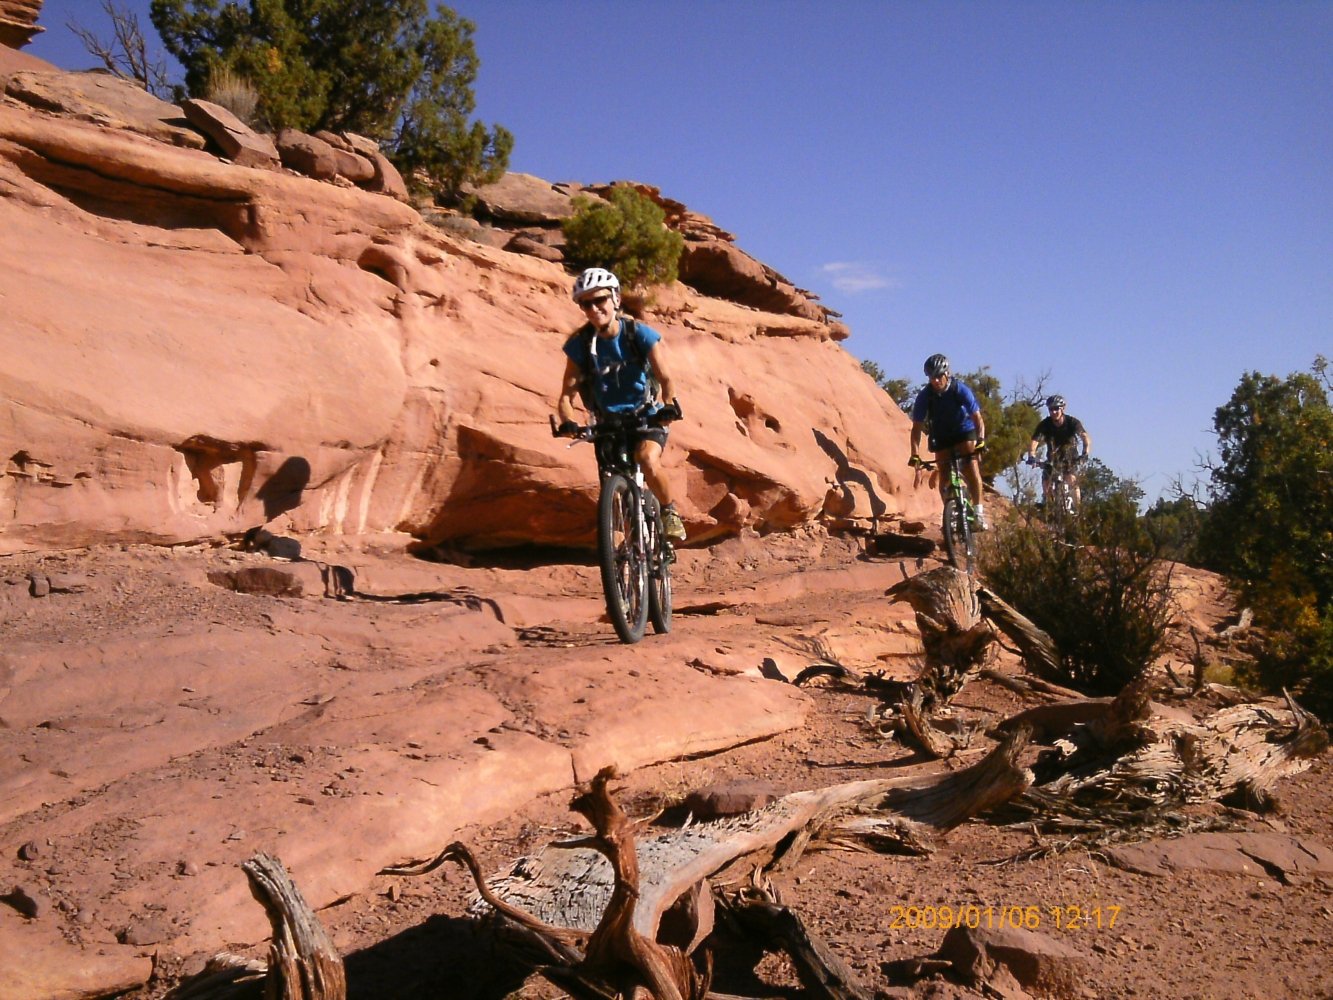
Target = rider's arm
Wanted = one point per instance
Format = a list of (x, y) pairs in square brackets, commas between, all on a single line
[(569, 392), (980, 421), (917, 427), (1087, 444), (662, 369)]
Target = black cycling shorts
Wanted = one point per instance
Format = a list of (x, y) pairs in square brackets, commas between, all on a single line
[(658, 434), (948, 441)]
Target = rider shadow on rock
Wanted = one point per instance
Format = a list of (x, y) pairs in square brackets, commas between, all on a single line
[(847, 474), (284, 489)]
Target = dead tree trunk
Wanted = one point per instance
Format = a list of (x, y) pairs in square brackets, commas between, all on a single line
[(626, 885), (1122, 763), (302, 962), (955, 637), (823, 974), (618, 951), (1038, 650), (570, 884)]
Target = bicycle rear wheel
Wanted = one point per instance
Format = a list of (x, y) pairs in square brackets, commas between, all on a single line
[(620, 551), (959, 541), (660, 557)]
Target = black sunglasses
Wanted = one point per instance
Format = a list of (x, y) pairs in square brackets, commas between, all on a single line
[(596, 300)]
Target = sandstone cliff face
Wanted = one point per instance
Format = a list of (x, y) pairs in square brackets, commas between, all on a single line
[(194, 348), (18, 21)]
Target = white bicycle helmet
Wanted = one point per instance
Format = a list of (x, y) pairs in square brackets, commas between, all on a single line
[(1056, 402), (594, 278)]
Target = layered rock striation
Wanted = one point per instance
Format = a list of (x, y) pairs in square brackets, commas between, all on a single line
[(196, 347)]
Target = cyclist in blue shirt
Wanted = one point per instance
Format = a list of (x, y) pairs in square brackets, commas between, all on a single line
[(611, 363), (948, 410)]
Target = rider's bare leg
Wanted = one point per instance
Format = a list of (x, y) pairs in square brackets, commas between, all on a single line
[(650, 460), (942, 472), (971, 470)]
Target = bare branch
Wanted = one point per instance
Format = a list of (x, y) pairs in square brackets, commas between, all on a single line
[(126, 54)]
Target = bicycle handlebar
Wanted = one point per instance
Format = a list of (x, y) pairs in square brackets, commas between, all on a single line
[(1048, 465), (638, 420)]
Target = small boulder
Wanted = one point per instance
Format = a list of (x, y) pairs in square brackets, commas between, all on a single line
[(306, 154), (1038, 963), (731, 799), (525, 244), (238, 142), (387, 179)]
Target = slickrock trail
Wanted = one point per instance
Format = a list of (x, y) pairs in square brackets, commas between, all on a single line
[(159, 728)]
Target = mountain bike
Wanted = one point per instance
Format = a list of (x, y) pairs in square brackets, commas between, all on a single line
[(960, 540), (1061, 506), (633, 549)]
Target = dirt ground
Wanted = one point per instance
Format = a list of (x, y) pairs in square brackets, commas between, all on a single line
[(1195, 929)]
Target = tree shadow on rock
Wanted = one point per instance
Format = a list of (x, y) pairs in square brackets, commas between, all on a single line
[(442, 958)]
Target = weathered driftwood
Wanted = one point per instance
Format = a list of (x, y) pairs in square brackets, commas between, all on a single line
[(1030, 686), (1114, 760), (616, 958), (955, 637), (302, 964), (822, 973), (570, 885), (618, 911), (1036, 647), (224, 976), (302, 961), (916, 720), (1255, 746)]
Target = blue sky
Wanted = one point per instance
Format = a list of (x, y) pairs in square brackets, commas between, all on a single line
[(1134, 197)]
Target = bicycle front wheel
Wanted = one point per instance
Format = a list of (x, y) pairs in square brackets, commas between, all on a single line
[(959, 542), (660, 556), (621, 552)]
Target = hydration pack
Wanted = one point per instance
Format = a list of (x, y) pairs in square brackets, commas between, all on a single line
[(634, 353)]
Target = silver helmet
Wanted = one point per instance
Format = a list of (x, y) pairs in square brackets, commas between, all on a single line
[(936, 364)]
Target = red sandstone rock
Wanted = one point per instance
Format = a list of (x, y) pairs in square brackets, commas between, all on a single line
[(18, 22), (238, 141), (202, 348)]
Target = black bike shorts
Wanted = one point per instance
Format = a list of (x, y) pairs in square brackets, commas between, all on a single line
[(658, 434), (948, 441)]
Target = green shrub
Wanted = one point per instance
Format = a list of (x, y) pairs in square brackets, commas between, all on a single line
[(1099, 589), (1270, 525), (1297, 651), (400, 72), (626, 234)]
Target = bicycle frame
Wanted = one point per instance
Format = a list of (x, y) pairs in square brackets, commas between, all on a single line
[(633, 550), (959, 514), (1058, 486)]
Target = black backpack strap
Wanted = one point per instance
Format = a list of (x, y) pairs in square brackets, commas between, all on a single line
[(632, 333)]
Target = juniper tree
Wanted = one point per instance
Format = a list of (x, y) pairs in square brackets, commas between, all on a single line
[(387, 69)]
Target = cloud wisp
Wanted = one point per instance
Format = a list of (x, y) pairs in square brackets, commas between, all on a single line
[(854, 277)]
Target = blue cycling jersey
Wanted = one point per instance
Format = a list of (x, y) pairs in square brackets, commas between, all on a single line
[(619, 371), (949, 413)]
